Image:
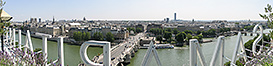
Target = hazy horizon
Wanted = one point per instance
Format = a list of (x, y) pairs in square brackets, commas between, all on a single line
[(22, 10)]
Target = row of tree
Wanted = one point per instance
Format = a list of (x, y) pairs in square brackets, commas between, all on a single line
[(84, 36), (224, 30), (81, 36), (180, 37), (159, 31), (135, 30)]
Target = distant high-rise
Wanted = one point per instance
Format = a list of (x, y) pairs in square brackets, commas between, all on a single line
[(166, 20), (84, 19), (33, 20), (174, 17), (53, 19), (40, 20)]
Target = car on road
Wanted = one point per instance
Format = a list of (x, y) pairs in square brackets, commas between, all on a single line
[(112, 58)]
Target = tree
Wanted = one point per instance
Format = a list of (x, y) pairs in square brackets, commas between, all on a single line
[(175, 31), (98, 36), (74, 35), (209, 32), (84, 37), (224, 29), (88, 36), (159, 38), (269, 17), (189, 36), (200, 37), (198, 32), (3, 25), (167, 35), (168, 29), (109, 37), (79, 35), (152, 30), (188, 31), (131, 29), (196, 37), (138, 30), (159, 31), (180, 37), (156, 31)]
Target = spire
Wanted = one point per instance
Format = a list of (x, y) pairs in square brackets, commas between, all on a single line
[(53, 19)]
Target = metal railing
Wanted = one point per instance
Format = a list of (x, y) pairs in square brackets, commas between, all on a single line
[(106, 53), (10, 42), (220, 50), (147, 58), (194, 50)]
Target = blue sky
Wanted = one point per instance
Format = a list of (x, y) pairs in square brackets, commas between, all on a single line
[(136, 9)]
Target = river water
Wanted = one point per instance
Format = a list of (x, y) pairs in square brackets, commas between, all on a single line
[(180, 56), (168, 57)]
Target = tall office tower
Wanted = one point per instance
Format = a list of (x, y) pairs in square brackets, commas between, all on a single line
[(53, 19), (40, 20), (174, 17)]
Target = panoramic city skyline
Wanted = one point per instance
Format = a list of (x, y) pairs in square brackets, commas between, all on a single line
[(136, 10)]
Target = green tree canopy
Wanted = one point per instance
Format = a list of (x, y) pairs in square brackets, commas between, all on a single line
[(167, 35), (138, 30), (81, 36), (188, 31), (110, 37), (159, 38), (180, 37), (269, 17), (168, 29), (156, 31), (98, 36), (175, 31), (131, 29)]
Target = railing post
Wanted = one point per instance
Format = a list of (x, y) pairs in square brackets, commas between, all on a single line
[(107, 56), (9, 32), (45, 49), (222, 52), (60, 51), (13, 37), (19, 39), (29, 41), (219, 48), (9, 36), (193, 53), (2, 42)]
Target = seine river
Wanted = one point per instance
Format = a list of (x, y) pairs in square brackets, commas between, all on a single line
[(168, 57)]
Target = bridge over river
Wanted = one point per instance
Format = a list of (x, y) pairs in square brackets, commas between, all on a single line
[(123, 52)]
